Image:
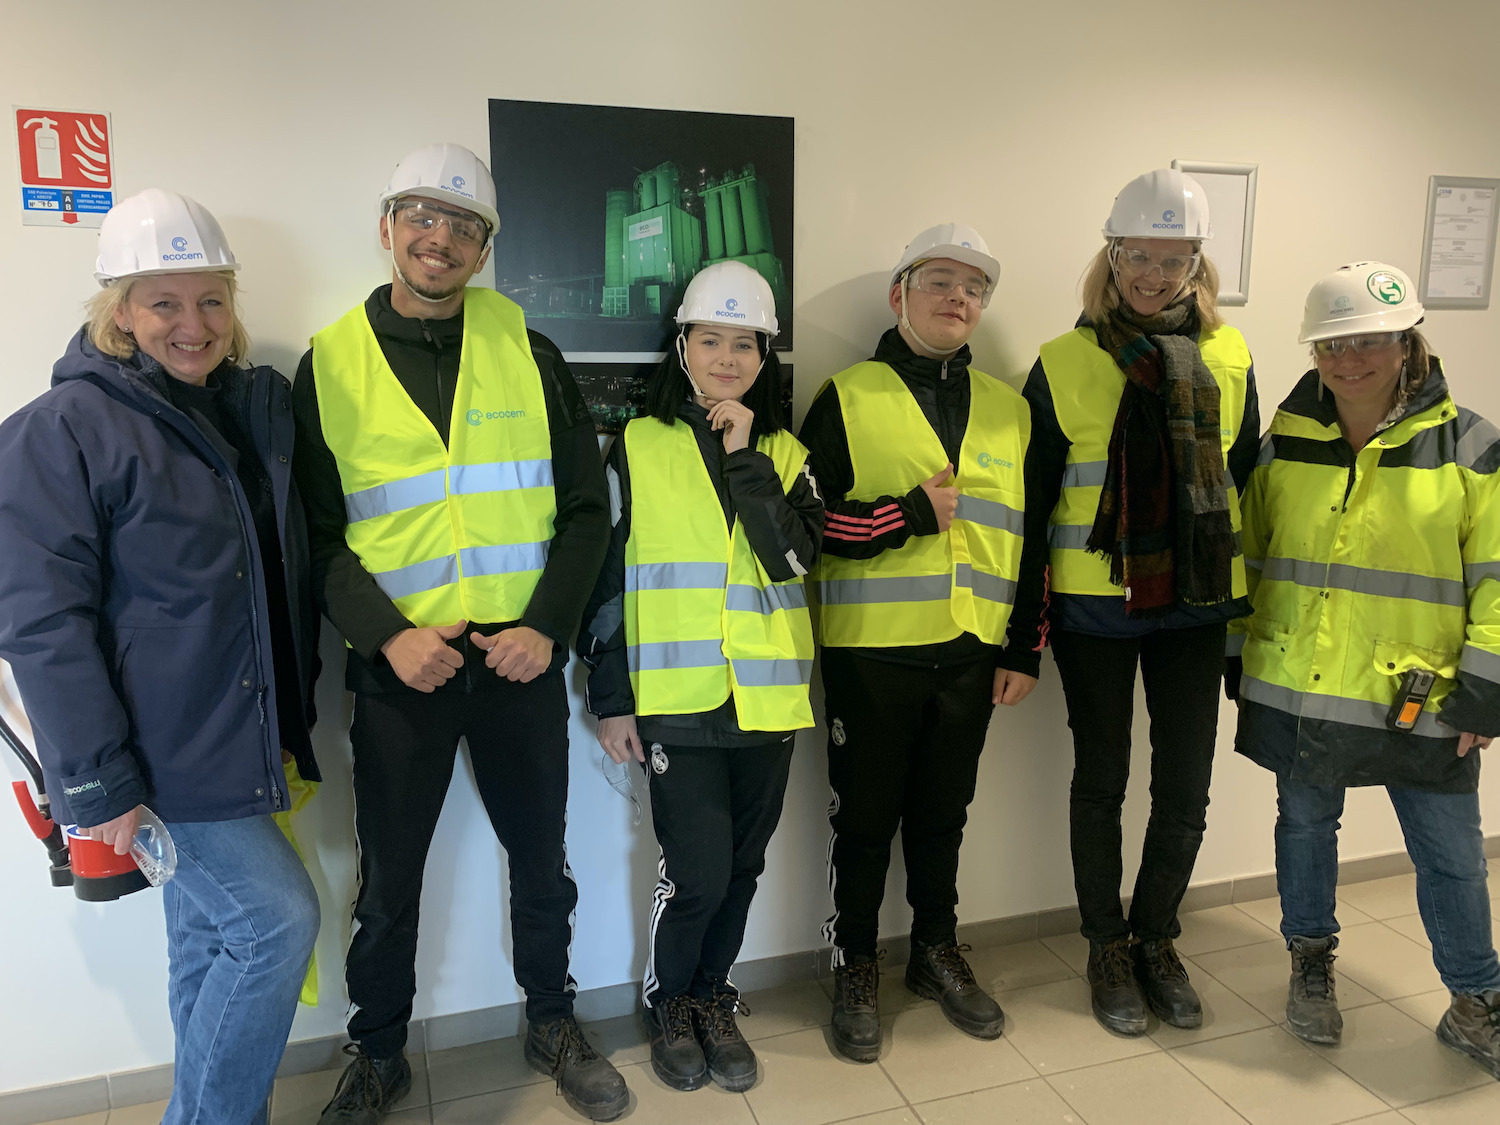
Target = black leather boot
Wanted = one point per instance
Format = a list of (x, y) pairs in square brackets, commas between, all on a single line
[(1118, 1003), (676, 1055), (1472, 1025), (731, 1062), (939, 972), (368, 1089), (1165, 982), (586, 1079), (856, 1015)]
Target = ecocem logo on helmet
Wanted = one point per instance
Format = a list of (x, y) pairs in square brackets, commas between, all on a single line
[(180, 245), (1168, 221), (730, 304)]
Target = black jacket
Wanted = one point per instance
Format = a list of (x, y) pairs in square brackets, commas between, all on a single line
[(133, 594), (424, 356), (779, 526), (941, 388)]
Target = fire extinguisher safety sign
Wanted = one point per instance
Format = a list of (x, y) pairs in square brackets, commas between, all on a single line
[(67, 167)]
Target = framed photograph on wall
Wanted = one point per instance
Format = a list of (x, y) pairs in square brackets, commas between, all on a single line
[(607, 212), (1458, 247), (1231, 208)]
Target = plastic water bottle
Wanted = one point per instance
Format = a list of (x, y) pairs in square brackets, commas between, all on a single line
[(153, 850)]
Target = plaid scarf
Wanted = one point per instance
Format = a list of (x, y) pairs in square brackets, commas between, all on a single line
[(1163, 518)]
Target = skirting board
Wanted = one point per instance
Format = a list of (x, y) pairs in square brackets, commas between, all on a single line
[(457, 1029)]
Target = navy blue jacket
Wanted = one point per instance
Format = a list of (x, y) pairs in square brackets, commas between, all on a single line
[(132, 596)]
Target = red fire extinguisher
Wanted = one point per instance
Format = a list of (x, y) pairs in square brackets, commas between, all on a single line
[(90, 867)]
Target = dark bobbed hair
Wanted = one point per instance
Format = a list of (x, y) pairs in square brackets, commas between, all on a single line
[(669, 385)]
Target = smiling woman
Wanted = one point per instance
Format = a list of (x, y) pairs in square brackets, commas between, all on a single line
[(155, 610)]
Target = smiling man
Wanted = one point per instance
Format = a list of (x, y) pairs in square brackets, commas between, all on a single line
[(931, 599), (458, 517)]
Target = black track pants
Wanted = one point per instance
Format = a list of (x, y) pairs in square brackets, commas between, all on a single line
[(715, 810), (1182, 670), (903, 751), (405, 745)]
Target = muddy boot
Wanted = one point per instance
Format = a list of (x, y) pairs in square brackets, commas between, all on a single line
[(1165, 983), (1118, 1003), (1312, 1003), (731, 1062), (676, 1055), (939, 972), (368, 1089), (1472, 1025), (586, 1079)]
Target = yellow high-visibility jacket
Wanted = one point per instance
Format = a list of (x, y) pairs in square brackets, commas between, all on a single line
[(702, 617), (1363, 567), (933, 587), (455, 531)]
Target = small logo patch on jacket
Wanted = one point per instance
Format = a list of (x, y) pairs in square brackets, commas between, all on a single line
[(658, 759), (836, 732)]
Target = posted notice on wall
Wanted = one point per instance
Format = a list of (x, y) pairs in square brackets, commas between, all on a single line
[(67, 166), (1458, 260)]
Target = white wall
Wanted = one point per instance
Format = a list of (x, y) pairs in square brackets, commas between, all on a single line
[(1022, 119)]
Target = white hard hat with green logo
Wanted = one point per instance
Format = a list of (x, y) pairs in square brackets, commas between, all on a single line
[(1360, 297)]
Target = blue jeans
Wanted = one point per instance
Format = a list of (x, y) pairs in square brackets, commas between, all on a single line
[(1444, 842), (242, 917)]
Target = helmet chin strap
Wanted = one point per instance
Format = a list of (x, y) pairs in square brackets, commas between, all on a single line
[(906, 322)]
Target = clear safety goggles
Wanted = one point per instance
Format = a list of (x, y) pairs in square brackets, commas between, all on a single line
[(1173, 267), (945, 281), (425, 215), (1365, 344)]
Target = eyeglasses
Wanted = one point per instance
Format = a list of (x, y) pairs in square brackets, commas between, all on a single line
[(1366, 344), (423, 215), (943, 281), (1174, 267)]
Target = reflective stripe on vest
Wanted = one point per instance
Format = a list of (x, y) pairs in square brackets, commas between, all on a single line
[(1370, 571), (702, 617), (455, 531), (933, 587), (1086, 385)]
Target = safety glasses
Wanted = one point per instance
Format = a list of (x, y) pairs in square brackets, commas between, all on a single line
[(424, 215), (1173, 267), (1366, 344), (945, 281)]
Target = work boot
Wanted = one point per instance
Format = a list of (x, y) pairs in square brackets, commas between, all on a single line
[(1312, 1002), (586, 1079), (1118, 1003), (1472, 1025), (368, 1089), (939, 972), (731, 1062), (856, 1014), (1164, 980), (676, 1055)]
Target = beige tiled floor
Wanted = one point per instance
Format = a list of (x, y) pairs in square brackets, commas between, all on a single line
[(1054, 1063)]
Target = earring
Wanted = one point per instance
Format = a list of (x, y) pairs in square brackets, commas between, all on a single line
[(1402, 381)]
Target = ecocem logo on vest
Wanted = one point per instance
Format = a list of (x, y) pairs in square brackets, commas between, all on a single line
[(480, 417), (728, 310), (180, 244), (1168, 222)]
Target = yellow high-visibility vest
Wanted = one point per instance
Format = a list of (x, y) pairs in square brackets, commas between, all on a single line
[(455, 532), (1360, 577), (702, 617), (933, 587), (1086, 386)]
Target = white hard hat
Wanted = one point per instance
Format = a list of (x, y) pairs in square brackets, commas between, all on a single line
[(1166, 203), (1360, 297), (160, 232), (729, 293), (951, 240), (448, 173)]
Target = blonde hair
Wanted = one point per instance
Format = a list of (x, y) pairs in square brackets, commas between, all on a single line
[(110, 339), (1101, 295)]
